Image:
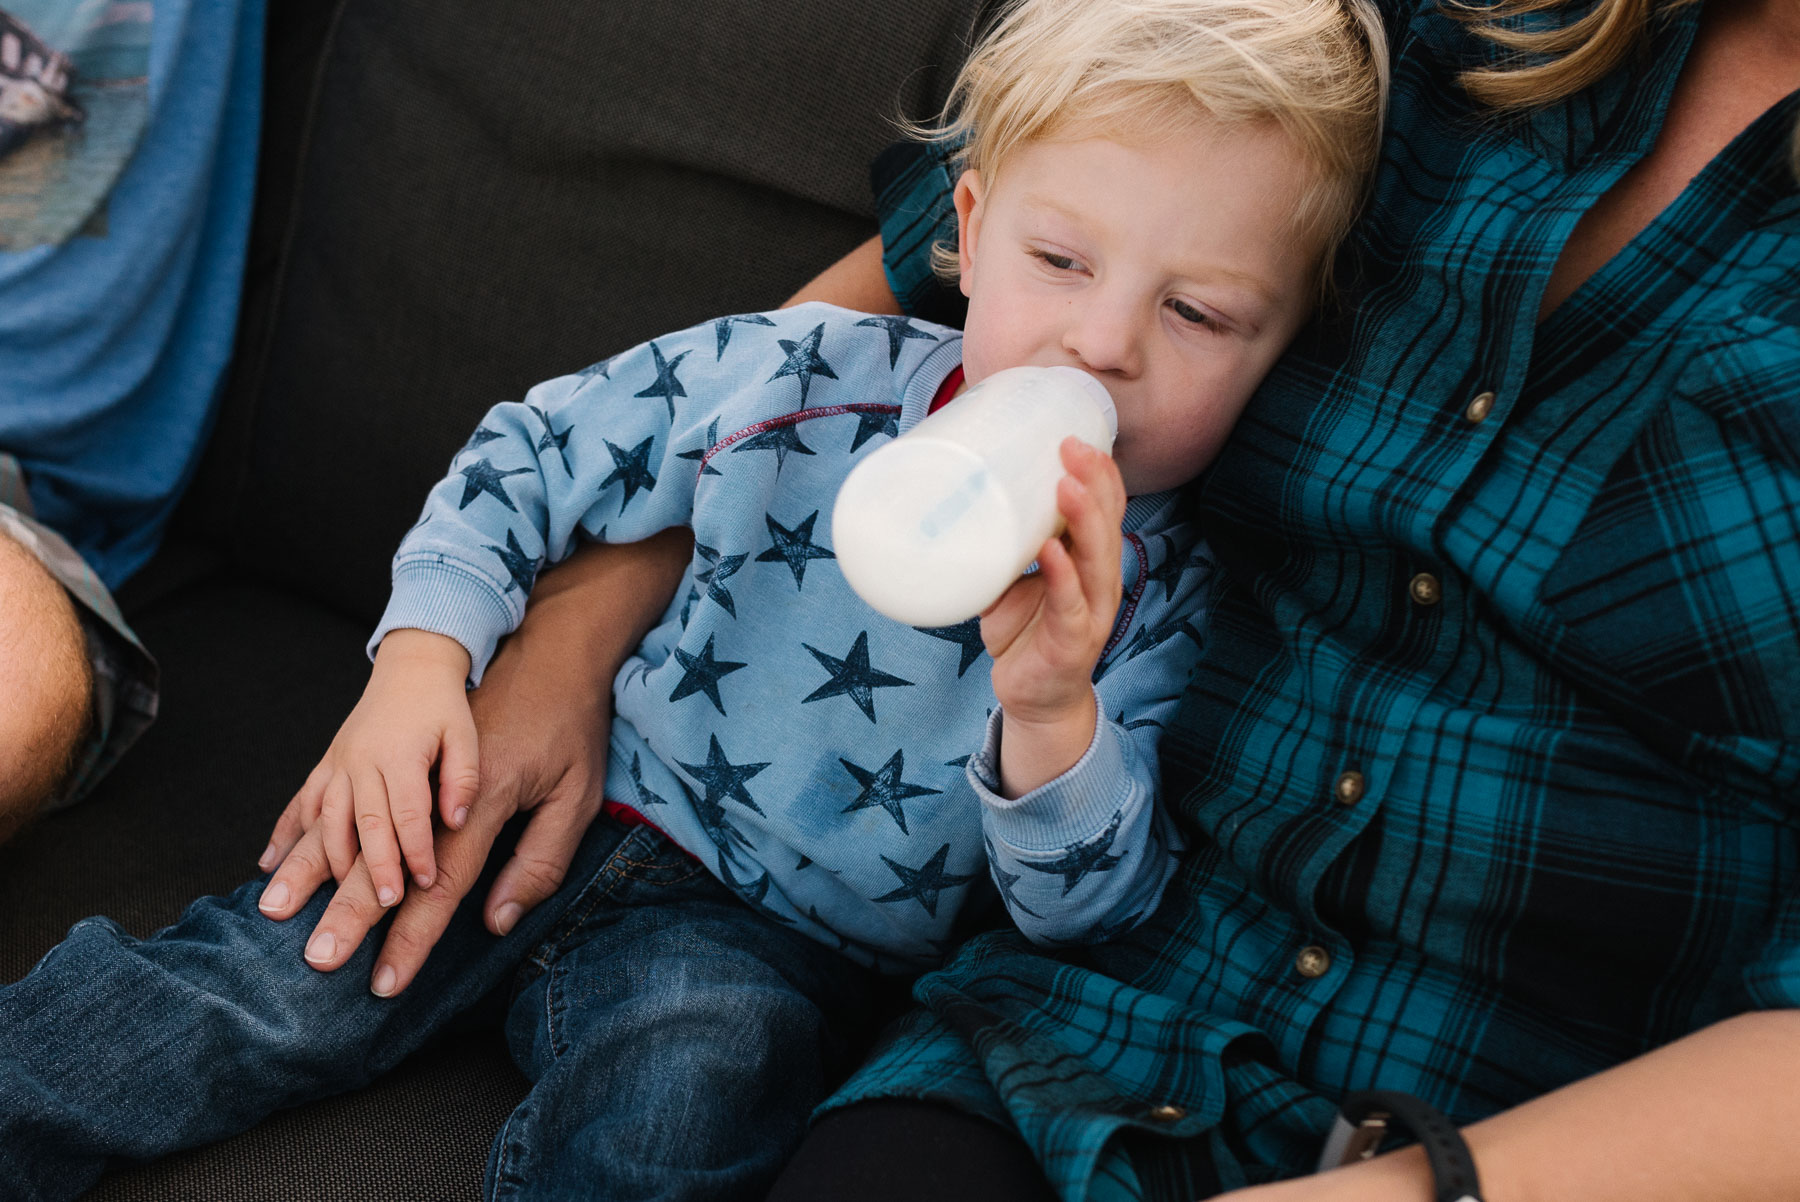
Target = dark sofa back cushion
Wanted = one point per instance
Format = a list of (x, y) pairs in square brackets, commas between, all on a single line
[(492, 194)]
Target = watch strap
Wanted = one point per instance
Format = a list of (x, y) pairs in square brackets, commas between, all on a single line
[(1367, 1117)]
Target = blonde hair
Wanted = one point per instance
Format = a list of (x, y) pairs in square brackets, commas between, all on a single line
[(1553, 63), (1316, 68)]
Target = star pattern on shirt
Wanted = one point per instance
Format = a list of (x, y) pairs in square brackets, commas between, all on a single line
[(522, 567), (630, 468), (713, 819), (1101, 932), (665, 385), (701, 673), (1077, 861), (483, 477), (782, 438), (1137, 723), (852, 676), (899, 329), (924, 883), (884, 787), (721, 778), (870, 423), (552, 438), (603, 369), (804, 361), (794, 546), (699, 453), (754, 892), (718, 569), (1173, 567), (480, 438), (1004, 882), (722, 329), (645, 796), (1147, 637), (966, 636)]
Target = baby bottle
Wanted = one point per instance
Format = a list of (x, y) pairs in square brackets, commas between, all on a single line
[(931, 528)]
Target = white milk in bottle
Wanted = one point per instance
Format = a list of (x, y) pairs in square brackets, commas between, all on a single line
[(932, 528)]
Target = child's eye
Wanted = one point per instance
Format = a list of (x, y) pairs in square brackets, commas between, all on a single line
[(1060, 262), (1192, 315)]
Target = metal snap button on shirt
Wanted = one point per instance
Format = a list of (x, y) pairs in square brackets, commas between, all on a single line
[(1167, 1113), (1349, 788), (1424, 589), (1479, 408), (1312, 962)]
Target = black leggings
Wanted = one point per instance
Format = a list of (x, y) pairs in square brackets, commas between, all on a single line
[(903, 1151)]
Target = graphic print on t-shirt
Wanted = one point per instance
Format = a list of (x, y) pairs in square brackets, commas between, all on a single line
[(74, 98)]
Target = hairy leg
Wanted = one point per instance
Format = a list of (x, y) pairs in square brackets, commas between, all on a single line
[(46, 685)]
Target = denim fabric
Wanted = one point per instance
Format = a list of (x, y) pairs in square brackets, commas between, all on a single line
[(676, 1040)]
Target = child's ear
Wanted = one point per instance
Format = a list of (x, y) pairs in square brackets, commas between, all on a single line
[(969, 198)]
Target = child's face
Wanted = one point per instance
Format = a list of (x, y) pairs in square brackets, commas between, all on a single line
[(1166, 269)]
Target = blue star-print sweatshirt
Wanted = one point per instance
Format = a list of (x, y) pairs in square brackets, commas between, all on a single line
[(836, 769)]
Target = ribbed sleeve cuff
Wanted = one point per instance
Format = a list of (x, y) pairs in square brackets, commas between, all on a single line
[(445, 598), (1058, 813)]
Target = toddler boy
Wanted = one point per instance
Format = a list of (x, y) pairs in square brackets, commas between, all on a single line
[(1151, 192)]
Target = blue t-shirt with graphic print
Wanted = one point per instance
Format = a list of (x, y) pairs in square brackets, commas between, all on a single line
[(128, 138)]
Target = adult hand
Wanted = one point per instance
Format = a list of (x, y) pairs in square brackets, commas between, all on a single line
[(542, 716)]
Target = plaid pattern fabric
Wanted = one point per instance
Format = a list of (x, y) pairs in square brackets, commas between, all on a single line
[(1490, 767)]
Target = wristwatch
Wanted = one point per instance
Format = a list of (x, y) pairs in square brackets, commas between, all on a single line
[(1366, 1119)]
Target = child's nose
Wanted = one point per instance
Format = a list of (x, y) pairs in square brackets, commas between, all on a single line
[(1105, 339)]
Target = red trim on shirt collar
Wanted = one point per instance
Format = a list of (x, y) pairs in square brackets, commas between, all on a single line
[(946, 390)]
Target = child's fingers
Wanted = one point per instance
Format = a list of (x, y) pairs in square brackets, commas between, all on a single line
[(337, 824), (1065, 603), (1093, 544), (459, 771), (1099, 473), (374, 833), (409, 797)]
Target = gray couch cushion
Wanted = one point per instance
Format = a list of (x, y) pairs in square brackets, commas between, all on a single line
[(494, 194)]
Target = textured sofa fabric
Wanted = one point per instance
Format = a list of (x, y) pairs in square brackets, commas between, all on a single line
[(455, 201)]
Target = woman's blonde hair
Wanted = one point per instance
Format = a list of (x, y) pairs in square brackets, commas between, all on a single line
[(1555, 61), (1315, 68)]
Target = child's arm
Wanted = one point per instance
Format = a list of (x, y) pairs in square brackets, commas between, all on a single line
[(1078, 846), (592, 454)]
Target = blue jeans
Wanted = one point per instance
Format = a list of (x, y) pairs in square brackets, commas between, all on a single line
[(676, 1040)]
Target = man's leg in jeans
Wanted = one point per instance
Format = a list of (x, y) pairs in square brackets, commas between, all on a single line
[(46, 685), (114, 1046), (676, 1038)]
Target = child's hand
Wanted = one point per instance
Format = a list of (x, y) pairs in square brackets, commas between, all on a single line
[(1046, 632), (374, 780)]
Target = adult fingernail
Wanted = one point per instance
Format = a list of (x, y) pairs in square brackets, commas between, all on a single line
[(507, 916), (274, 898), (320, 949), (461, 816), (386, 897), (269, 859), (385, 977)]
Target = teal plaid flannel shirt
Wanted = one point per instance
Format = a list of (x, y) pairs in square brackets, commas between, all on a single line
[(1490, 768)]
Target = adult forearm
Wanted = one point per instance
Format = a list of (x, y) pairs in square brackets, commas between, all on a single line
[(588, 612), (1709, 1118), (855, 281)]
